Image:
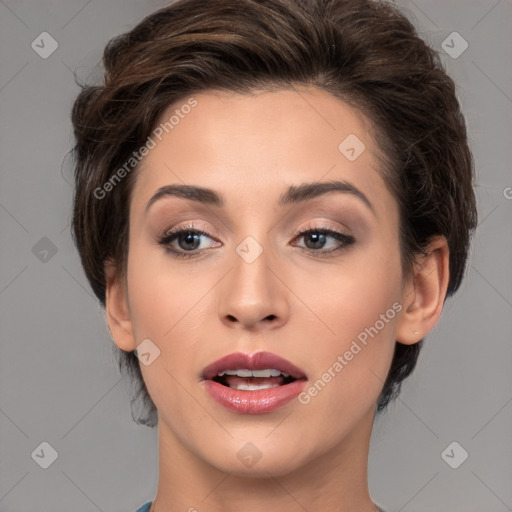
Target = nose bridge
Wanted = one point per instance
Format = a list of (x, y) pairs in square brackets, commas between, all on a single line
[(251, 292)]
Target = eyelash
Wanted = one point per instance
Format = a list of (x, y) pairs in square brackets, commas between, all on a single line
[(165, 241)]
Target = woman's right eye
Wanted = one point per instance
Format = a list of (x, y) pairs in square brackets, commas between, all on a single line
[(187, 238)]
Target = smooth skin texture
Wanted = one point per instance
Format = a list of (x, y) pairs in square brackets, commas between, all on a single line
[(295, 300)]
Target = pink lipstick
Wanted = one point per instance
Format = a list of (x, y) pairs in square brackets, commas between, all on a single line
[(253, 383)]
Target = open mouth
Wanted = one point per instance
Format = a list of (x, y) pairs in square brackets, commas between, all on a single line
[(253, 380), (253, 383)]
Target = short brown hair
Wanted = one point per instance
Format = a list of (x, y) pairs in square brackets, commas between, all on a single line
[(364, 52)]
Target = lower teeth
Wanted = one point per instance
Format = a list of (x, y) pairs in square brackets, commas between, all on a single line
[(253, 387)]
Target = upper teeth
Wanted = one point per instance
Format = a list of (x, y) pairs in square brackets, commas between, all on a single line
[(254, 373)]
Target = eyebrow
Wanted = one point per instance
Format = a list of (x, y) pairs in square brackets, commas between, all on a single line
[(293, 195)]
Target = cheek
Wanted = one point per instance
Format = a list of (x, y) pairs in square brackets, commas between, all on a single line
[(352, 295), (167, 306), (358, 306), (158, 298), (162, 309)]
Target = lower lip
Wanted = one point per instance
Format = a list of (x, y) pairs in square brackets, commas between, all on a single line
[(254, 402)]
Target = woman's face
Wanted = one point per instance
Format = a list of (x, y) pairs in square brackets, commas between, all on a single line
[(327, 304)]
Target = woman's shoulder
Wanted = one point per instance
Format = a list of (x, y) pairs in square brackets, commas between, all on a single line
[(144, 508)]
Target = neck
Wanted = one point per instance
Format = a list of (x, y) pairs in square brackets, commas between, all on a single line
[(335, 480)]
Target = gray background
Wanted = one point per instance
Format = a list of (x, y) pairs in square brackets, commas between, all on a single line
[(58, 381)]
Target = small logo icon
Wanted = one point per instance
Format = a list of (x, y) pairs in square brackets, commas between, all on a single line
[(44, 250), (454, 45), (249, 455), (249, 249), (44, 45), (45, 455), (454, 455), (351, 147), (147, 352)]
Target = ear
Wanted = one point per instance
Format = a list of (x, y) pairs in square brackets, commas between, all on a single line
[(117, 310), (424, 293)]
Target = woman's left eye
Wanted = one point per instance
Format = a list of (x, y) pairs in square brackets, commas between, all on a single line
[(188, 239), (317, 237)]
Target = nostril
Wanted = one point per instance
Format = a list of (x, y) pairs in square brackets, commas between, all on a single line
[(233, 319)]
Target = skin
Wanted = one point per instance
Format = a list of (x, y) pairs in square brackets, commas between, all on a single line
[(250, 148)]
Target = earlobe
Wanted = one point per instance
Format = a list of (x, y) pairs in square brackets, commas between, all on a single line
[(424, 294), (117, 311)]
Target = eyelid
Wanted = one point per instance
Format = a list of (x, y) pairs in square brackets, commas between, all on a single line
[(343, 239), (313, 226), (188, 227), (323, 225)]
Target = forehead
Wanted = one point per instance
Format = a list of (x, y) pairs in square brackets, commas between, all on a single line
[(259, 143)]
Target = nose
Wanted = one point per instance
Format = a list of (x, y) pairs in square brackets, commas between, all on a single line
[(253, 296)]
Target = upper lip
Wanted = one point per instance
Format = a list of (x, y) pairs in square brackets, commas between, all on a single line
[(256, 361)]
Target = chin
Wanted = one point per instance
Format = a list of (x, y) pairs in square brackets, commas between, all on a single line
[(279, 464), (258, 459)]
